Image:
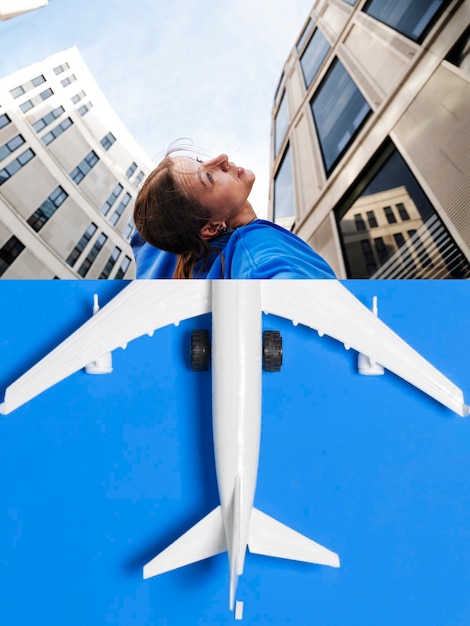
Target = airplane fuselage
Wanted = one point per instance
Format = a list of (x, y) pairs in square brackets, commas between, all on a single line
[(236, 392)]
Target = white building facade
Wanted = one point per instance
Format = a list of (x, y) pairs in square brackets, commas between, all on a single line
[(374, 98), (13, 8), (69, 174)]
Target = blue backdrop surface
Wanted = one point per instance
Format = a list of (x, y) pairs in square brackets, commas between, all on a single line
[(100, 473)]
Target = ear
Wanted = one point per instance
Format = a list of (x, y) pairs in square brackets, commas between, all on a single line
[(212, 229)]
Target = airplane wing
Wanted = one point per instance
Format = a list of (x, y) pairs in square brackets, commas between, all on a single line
[(139, 309), (329, 308)]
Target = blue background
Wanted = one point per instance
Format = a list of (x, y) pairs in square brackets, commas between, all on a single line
[(100, 473)]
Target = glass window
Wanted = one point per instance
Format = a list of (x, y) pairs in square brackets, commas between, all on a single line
[(81, 245), (417, 246), (4, 120), (61, 68), (131, 169), (88, 262), (138, 178), (84, 108), (47, 209), (460, 52), (108, 141), (410, 17), (57, 131), (313, 56), (281, 124), (77, 97), (123, 268), (9, 252), (339, 110), (284, 189), (120, 210), (15, 165), (11, 146), (359, 222), (351, 2), (82, 169), (69, 79), (112, 199), (47, 119), (110, 263), (371, 219), (304, 35)]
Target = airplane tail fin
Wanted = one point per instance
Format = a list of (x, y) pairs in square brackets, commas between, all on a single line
[(204, 539), (269, 537)]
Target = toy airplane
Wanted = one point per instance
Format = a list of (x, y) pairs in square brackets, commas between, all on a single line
[(237, 356)]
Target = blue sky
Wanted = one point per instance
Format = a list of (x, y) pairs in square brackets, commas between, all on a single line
[(100, 473), (186, 68)]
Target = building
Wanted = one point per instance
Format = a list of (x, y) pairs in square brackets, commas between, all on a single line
[(13, 8), (69, 173), (371, 136)]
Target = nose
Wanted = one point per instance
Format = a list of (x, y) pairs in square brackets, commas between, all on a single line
[(219, 161)]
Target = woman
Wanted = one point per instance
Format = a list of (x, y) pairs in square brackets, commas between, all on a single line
[(199, 211)]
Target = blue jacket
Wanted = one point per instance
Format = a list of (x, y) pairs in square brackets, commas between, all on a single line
[(260, 249)]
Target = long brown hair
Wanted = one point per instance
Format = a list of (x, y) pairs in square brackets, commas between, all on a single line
[(167, 218)]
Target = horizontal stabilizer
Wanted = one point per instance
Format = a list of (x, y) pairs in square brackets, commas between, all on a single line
[(271, 538), (203, 540)]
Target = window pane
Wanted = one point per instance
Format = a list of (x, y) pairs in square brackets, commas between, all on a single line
[(283, 189), (406, 238), (313, 56), (281, 124), (410, 17), (339, 110)]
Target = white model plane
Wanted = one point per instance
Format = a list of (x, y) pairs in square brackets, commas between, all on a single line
[(237, 356)]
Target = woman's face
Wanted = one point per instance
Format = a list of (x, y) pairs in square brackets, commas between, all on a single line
[(218, 184)]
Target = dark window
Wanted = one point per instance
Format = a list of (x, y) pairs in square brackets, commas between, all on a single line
[(123, 268), (85, 238), (459, 53), (284, 189), (412, 18), (389, 214), (47, 209), (281, 124), (369, 260), (402, 212), (313, 56), (112, 199), (82, 169), (120, 210), (381, 249), (88, 262), (387, 174), (9, 252), (399, 239), (360, 225), (351, 2), (110, 263), (371, 219), (339, 110)]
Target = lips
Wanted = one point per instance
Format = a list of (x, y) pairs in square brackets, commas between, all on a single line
[(241, 171)]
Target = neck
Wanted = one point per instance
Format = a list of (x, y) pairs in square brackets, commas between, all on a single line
[(244, 217)]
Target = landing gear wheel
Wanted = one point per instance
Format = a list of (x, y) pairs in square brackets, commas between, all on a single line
[(200, 350), (272, 351)]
